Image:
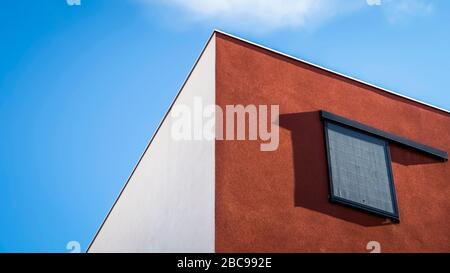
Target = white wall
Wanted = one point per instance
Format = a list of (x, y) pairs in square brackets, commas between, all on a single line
[(168, 204)]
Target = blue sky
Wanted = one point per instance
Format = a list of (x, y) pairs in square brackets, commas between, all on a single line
[(82, 88)]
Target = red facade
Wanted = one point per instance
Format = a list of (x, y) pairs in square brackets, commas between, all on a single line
[(278, 201)]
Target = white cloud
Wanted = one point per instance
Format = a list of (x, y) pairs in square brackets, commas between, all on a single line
[(399, 10), (266, 15), (263, 14)]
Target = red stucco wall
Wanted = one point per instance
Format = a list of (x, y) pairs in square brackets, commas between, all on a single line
[(278, 201)]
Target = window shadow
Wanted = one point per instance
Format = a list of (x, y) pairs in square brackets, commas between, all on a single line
[(407, 156), (311, 189)]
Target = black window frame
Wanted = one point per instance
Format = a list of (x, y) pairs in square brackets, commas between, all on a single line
[(328, 117), (336, 199)]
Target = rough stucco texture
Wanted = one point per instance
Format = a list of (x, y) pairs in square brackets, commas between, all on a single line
[(278, 201)]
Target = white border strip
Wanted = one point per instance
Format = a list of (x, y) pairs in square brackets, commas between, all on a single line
[(331, 71)]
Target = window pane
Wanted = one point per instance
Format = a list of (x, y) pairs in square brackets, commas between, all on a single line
[(360, 171)]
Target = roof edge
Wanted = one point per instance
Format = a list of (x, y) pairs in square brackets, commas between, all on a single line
[(330, 71)]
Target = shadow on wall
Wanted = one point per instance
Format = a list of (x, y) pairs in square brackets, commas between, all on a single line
[(311, 189), (407, 156)]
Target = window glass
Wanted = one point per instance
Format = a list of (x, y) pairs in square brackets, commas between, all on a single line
[(360, 169)]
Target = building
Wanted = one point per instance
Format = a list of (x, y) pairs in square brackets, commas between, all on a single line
[(354, 165)]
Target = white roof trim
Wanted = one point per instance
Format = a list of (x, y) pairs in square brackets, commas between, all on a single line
[(331, 71)]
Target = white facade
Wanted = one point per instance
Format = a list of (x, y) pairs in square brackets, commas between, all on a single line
[(168, 203)]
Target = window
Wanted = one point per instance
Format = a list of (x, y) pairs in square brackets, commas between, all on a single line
[(360, 170), (359, 164)]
